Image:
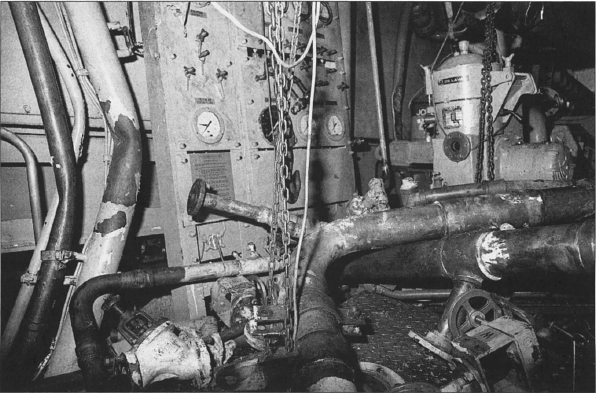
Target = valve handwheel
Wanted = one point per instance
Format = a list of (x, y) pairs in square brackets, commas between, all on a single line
[(471, 310)]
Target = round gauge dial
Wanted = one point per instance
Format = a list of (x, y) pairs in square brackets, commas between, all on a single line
[(208, 126), (303, 127), (269, 121), (335, 127), (326, 15)]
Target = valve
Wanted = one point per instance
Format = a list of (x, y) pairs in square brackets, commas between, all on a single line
[(343, 86)]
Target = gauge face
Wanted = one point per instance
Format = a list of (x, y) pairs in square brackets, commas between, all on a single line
[(303, 127), (326, 16), (208, 126), (335, 127), (269, 121)]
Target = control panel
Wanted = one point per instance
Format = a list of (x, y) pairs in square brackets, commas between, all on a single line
[(213, 109)]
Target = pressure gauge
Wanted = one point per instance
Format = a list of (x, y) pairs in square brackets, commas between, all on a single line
[(207, 125), (326, 15), (335, 127), (303, 127)]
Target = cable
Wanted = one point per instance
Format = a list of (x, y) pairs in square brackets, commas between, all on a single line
[(265, 40), (308, 143)]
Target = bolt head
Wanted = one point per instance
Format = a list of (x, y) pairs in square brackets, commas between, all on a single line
[(182, 145)]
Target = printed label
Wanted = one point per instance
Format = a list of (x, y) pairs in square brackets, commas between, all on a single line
[(208, 101), (216, 170), (198, 13), (453, 79)]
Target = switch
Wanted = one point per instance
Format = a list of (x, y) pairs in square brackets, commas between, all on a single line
[(261, 77), (331, 52), (202, 35), (188, 72), (321, 83), (221, 75)]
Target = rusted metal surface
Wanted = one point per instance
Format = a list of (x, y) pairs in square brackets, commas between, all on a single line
[(474, 189), (482, 255)]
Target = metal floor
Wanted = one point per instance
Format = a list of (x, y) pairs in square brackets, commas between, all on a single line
[(386, 340)]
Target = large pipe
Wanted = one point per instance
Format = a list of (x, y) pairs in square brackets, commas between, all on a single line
[(106, 244), (84, 327), (567, 248), (32, 178), (323, 351), (54, 116), (78, 130), (399, 67), (475, 189)]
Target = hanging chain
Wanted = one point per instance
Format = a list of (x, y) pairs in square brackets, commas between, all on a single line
[(486, 107), (282, 88)]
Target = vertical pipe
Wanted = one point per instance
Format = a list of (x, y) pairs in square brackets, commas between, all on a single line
[(78, 130), (54, 116), (115, 215), (375, 68), (399, 68), (32, 179)]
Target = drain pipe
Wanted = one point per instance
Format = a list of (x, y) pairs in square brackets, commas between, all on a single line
[(492, 255), (32, 178), (399, 67), (325, 356), (105, 247), (54, 116), (84, 327)]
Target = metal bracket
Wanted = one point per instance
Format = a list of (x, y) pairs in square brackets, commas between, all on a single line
[(62, 256), (29, 278)]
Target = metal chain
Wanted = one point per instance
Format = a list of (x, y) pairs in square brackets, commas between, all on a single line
[(282, 88), (486, 108)]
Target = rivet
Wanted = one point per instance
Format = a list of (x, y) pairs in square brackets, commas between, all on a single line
[(184, 160), (173, 57), (255, 144), (237, 144), (192, 233), (182, 145), (256, 156), (27, 109)]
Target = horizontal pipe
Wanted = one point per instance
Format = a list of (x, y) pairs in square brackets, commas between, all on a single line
[(318, 337), (84, 326), (443, 294), (490, 255), (32, 178), (198, 198), (474, 189)]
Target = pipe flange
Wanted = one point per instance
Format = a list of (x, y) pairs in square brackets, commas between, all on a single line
[(457, 146), (196, 197)]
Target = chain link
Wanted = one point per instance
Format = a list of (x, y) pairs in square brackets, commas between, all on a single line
[(486, 107), (282, 88)]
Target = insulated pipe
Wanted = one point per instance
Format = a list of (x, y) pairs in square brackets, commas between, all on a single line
[(107, 241), (323, 350), (399, 67), (375, 69), (32, 178), (78, 130), (84, 327), (54, 117), (474, 189), (567, 248)]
